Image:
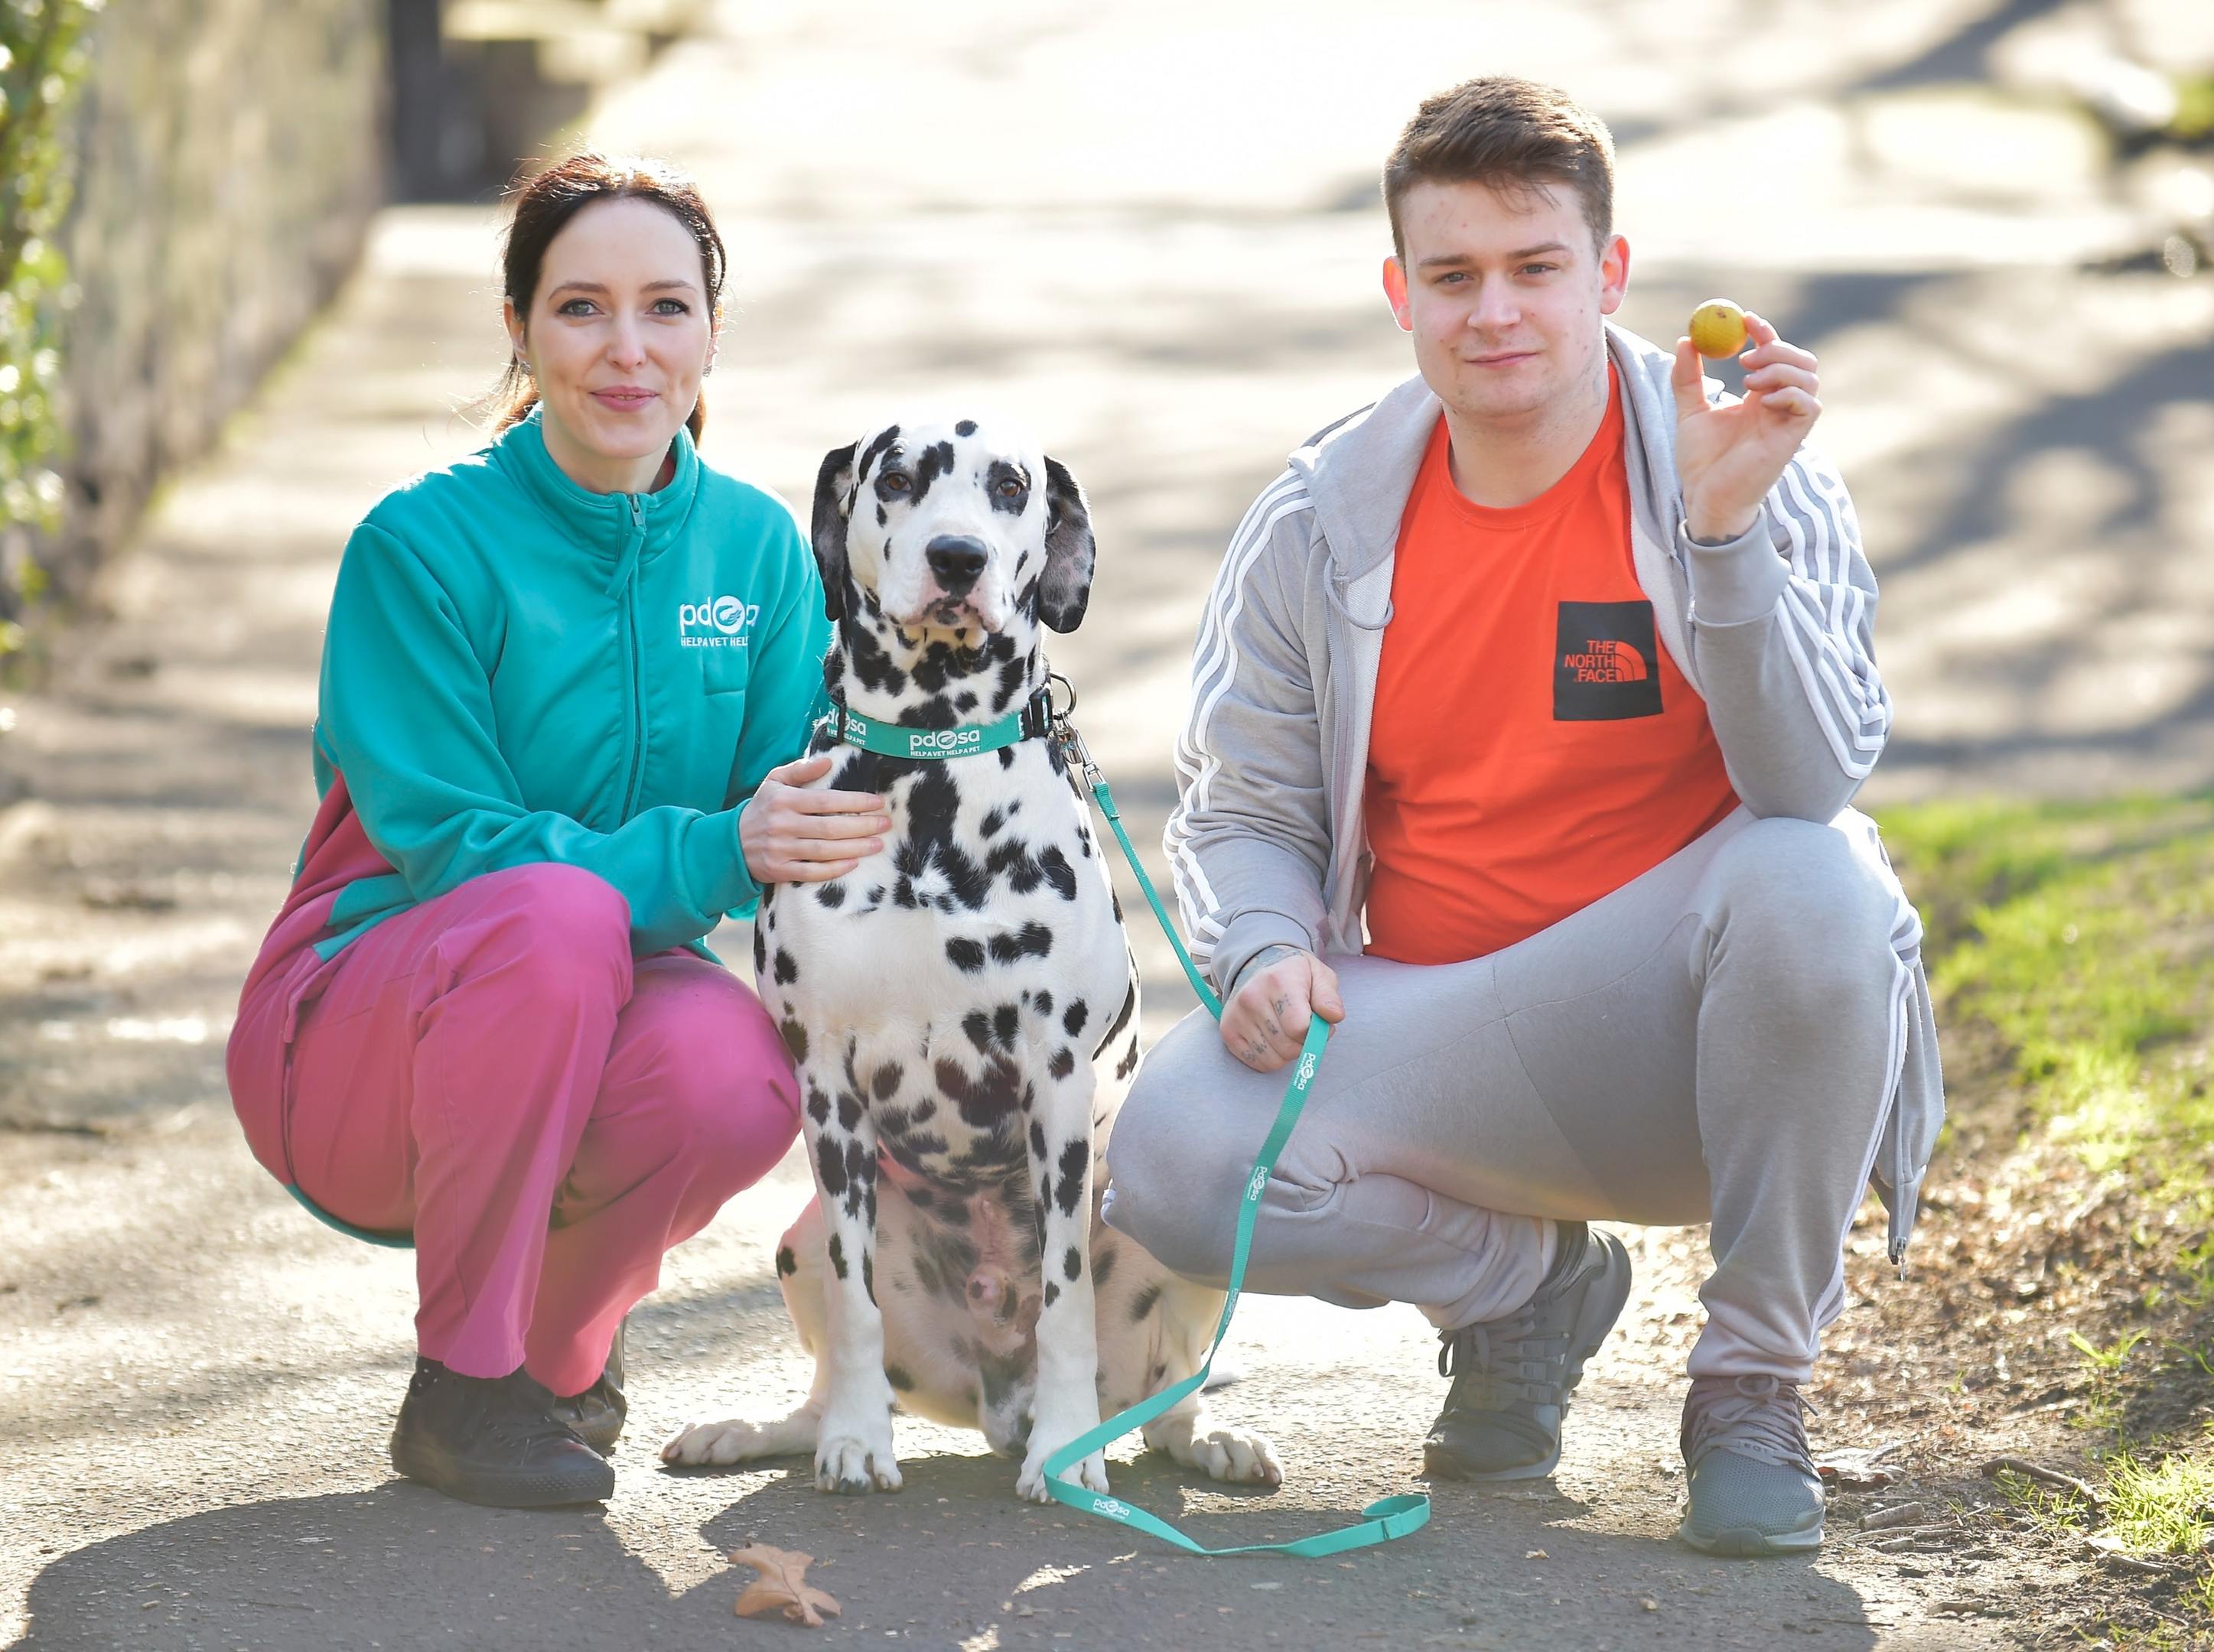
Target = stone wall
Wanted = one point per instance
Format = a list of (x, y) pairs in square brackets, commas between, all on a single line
[(230, 154)]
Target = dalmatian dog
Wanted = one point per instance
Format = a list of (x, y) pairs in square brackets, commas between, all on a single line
[(962, 1011)]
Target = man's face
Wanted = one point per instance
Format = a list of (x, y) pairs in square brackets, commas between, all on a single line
[(1503, 291)]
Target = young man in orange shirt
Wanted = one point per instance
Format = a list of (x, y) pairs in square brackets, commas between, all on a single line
[(1532, 698)]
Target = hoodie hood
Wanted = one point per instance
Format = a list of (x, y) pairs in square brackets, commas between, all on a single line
[(1359, 470)]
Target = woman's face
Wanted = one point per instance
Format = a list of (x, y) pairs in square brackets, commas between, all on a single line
[(618, 334)]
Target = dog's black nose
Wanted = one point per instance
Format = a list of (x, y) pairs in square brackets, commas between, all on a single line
[(956, 560)]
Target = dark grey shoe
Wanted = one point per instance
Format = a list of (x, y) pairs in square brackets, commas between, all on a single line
[(597, 1413), (1750, 1475), (1513, 1376), (493, 1440)]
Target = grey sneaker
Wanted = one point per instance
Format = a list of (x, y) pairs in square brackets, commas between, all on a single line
[(1512, 1377), (1750, 1475)]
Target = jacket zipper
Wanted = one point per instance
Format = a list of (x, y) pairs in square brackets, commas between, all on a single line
[(636, 674)]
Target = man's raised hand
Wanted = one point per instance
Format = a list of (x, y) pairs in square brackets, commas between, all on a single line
[(1728, 458)]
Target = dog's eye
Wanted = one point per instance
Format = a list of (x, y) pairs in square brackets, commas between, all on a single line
[(1009, 488), (895, 482)]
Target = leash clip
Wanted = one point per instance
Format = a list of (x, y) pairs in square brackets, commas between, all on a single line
[(1077, 754)]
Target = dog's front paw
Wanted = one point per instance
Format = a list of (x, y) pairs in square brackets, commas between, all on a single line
[(846, 1463), (1235, 1455), (1226, 1454), (732, 1440), (1092, 1472)]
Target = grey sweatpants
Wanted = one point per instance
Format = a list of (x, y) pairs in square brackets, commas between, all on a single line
[(1715, 1041)]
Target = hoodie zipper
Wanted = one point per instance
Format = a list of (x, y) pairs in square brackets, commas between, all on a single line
[(629, 616)]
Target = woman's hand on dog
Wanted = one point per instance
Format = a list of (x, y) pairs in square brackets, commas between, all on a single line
[(789, 834), (1266, 1018)]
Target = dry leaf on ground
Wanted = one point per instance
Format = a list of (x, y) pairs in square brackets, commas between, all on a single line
[(1856, 1470), (783, 1586)]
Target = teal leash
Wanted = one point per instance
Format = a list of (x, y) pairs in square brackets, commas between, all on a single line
[(1382, 1520)]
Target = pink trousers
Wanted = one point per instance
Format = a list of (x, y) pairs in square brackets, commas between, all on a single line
[(494, 1072)]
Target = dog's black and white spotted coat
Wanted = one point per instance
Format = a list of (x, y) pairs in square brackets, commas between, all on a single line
[(962, 1009)]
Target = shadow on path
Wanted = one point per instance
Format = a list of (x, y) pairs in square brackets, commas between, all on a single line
[(953, 1558)]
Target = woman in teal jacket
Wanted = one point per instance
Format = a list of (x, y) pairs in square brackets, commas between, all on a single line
[(563, 683)]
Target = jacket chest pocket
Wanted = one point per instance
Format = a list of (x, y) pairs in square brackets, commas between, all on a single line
[(726, 666)]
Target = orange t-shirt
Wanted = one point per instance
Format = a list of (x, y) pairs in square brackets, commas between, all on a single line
[(1534, 748)]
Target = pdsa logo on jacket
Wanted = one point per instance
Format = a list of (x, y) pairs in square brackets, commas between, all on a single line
[(1604, 663), (720, 623)]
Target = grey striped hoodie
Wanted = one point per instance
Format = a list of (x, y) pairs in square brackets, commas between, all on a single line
[(1775, 630)]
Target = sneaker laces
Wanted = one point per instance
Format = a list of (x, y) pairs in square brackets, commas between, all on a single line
[(1501, 1363), (1763, 1417)]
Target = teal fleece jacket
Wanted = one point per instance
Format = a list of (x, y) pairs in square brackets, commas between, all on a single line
[(518, 670)]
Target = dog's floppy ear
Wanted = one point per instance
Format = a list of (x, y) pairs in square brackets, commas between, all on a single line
[(833, 483), (1070, 551)]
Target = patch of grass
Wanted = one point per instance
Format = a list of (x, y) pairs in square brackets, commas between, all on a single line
[(2052, 1510), (2082, 934), (2102, 1407), (2160, 1505), (1961, 856)]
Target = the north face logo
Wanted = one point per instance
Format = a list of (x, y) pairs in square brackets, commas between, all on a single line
[(1605, 660), (1605, 664)]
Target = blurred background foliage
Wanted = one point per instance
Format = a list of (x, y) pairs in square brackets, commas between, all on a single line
[(43, 59)]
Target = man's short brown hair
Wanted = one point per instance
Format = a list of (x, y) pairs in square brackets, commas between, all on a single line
[(1513, 134)]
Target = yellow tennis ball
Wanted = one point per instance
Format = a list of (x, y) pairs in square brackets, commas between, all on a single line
[(1717, 328)]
